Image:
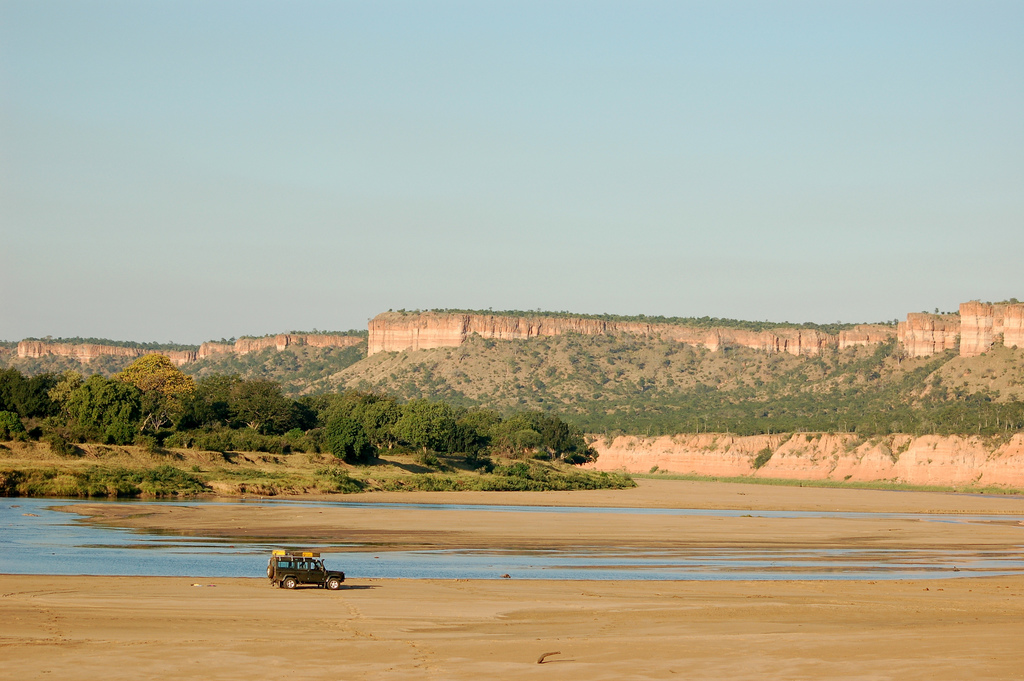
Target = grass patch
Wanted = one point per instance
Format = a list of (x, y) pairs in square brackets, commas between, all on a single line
[(100, 481), (518, 477)]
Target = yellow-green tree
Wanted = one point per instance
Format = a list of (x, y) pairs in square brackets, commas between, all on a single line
[(163, 386)]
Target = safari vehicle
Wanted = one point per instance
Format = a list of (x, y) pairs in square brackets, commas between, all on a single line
[(289, 569)]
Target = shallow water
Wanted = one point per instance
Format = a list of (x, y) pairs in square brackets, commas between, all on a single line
[(36, 540)]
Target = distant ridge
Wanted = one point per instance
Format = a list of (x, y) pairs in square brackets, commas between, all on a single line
[(88, 349)]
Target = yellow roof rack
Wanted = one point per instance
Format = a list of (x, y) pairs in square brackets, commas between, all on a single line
[(296, 554)]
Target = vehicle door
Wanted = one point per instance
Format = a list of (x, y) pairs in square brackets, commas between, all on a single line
[(303, 571), (317, 572)]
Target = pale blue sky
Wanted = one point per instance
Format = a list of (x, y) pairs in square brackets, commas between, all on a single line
[(174, 170)]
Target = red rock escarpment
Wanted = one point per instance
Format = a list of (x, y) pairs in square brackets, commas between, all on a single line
[(281, 341), (983, 323), (925, 334), (87, 352), (928, 460), (865, 334), (395, 332)]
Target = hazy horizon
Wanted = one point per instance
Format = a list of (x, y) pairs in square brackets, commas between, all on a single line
[(186, 171)]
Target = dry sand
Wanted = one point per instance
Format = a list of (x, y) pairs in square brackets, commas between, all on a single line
[(137, 627), (144, 628)]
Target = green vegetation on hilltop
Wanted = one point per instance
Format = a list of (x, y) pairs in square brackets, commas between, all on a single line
[(361, 333), (699, 322), (78, 340)]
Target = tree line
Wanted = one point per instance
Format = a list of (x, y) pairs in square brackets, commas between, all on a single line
[(153, 403)]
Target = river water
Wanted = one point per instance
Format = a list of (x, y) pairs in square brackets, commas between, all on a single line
[(37, 540)]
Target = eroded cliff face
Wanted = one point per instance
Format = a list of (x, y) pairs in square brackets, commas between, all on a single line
[(928, 460), (982, 324), (395, 332), (865, 334), (925, 334), (244, 346), (1013, 326), (86, 353)]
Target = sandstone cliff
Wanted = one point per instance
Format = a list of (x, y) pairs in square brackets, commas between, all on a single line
[(281, 341), (395, 332), (865, 334), (925, 334), (983, 323), (87, 352), (928, 460)]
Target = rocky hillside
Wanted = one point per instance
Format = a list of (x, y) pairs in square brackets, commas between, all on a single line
[(647, 384)]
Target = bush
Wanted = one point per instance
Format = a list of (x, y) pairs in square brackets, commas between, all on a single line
[(60, 445), (336, 480), (149, 443), (10, 425), (478, 461), (762, 457)]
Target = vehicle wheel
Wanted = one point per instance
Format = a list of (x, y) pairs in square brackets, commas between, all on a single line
[(288, 583), (333, 584), (270, 571)]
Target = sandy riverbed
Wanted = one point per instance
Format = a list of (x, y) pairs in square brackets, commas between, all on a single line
[(144, 628), (138, 627)]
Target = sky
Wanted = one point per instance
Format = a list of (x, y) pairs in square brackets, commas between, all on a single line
[(174, 170)]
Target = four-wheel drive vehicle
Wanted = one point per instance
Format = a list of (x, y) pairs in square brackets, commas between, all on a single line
[(289, 569)]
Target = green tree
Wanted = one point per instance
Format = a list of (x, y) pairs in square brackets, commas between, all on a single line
[(377, 414), (109, 409), (210, 404), (69, 382), (28, 397), (426, 424), (345, 438), (261, 406), (10, 425), (163, 386)]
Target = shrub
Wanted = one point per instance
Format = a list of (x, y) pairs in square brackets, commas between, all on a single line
[(149, 443), (10, 425), (762, 458), (60, 445), (337, 480)]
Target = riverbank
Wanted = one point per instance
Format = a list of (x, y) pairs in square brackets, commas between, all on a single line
[(951, 461), (35, 469), (111, 628)]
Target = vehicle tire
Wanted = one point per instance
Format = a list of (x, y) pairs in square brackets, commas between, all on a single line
[(288, 583), (333, 584), (270, 571)]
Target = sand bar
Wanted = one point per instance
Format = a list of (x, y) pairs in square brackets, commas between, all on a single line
[(418, 528)]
